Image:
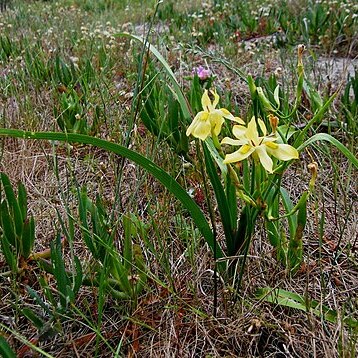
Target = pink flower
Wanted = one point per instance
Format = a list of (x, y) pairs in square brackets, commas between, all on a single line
[(202, 72)]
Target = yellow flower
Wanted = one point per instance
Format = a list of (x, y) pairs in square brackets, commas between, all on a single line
[(260, 147), (210, 120)]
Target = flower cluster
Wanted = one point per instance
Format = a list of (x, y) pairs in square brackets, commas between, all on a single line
[(209, 123)]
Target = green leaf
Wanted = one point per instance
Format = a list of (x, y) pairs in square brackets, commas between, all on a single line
[(33, 317), (295, 245), (276, 233), (214, 153), (10, 195), (7, 225), (328, 138), (286, 131), (84, 205), (120, 273), (288, 205), (232, 202), (313, 95), (59, 270), (168, 181), (285, 298), (22, 199), (194, 97), (315, 118), (10, 256), (38, 300), (28, 237), (5, 349), (273, 227), (13, 205), (78, 279)]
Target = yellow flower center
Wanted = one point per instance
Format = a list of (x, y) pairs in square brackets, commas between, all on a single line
[(244, 149), (271, 145), (204, 116)]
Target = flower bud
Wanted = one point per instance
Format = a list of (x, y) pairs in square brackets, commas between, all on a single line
[(266, 103), (273, 122), (252, 85), (313, 168), (300, 50)]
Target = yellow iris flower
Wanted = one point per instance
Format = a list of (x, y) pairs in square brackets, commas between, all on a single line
[(260, 147), (210, 120)]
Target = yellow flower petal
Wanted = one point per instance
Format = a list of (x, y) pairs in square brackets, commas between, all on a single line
[(231, 141), (239, 120), (199, 127), (202, 130), (241, 154), (261, 147), (216, 99), (214, 118), (283, 152), (193, 124), (225, 112), (239, 131), (252, 133), (265, 160), (262, 127), (216, 121), (205, 101)]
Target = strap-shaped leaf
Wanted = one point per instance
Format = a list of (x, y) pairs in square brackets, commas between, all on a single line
[(28, 237), (22, 196), (274, 229), (10, 255), (7, 224), (33, 317), (59, 271), (83, 207), (285, 298), (302, 134), (232, 202), (5, 349), (287, 203), (295, 246), (78, 277), (13, 205)]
